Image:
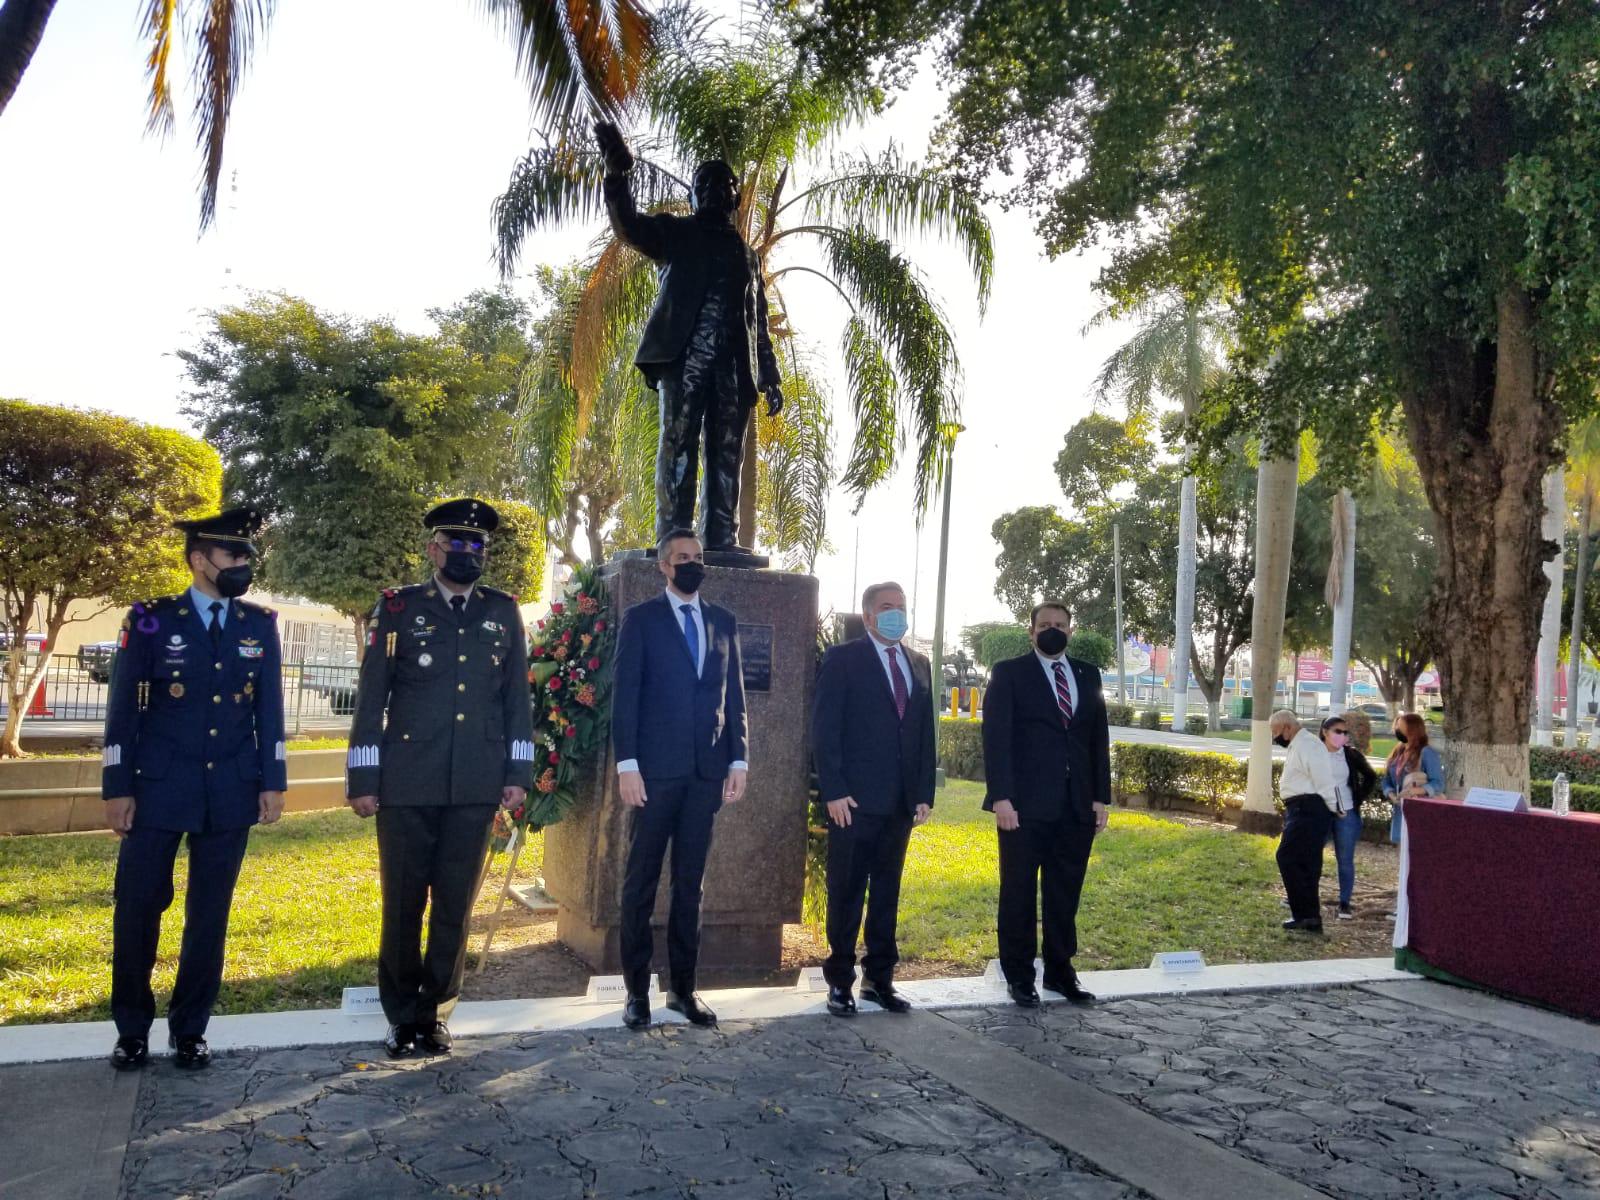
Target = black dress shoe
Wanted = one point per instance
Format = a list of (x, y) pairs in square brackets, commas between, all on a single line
[(691, 1006), (885, 997), (130, 1053), (1023, 995), (1304, 925), (1069, 987), (400, 1041), (434, 1038), (840, 1002), (636, 1012), (190, 1052)]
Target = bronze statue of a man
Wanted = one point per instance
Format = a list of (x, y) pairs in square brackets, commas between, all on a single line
[(706, 348)]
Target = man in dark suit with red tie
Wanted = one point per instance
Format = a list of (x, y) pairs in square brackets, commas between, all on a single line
[(678, 725), (1047, 760), (873, 739)]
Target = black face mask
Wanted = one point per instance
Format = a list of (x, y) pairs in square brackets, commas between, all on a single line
[(1399, 737), (688, 576), (232, 582), (1051, 641), (1280, 740), (462, 566)]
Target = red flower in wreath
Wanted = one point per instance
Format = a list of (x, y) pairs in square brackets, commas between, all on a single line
[(553, 758), (555, 683), (538, 650), (594, 664), (567, 636), (599, 626), (588, 605), (558, 608), (571, 731)]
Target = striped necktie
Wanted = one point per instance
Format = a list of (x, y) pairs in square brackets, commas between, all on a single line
[(1063, 694)]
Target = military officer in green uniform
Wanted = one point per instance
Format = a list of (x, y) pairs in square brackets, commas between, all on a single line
[(442, 734)]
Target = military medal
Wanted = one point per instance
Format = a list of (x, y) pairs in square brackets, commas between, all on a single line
[(175, 690), (249, 689), (424, 660)]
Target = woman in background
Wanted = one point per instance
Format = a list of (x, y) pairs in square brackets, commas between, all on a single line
[(1411, 757), (1353, 782)]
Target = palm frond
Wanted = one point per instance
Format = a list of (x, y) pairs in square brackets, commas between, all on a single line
[(580, 59), (904, 319), (1174, 352), (638, 432), (560, 184), (875, 401), (544, 424), (795, 468), (616, 298), (227, 38), (897, 198), (160, 27)]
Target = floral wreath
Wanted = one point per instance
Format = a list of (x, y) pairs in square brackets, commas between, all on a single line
[(569, 671)]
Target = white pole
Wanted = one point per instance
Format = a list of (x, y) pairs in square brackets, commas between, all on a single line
[(1116, 575), (1553, 529)]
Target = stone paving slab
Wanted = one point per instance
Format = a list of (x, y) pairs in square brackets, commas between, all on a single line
[(1351, 1093), (800, 1109)]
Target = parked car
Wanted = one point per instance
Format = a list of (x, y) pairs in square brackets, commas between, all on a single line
[(1378, 712), (333, 674), (95, 658)]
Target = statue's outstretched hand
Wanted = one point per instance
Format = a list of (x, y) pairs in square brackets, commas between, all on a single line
[(613, 148), (774, 400)]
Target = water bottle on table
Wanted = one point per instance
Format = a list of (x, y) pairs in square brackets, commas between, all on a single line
[(1560, 795)]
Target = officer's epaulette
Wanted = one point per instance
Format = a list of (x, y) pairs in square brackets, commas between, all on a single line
[(496, 593), (259, 610), (394, 599)]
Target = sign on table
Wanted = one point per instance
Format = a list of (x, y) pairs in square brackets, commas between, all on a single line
[(1495, 798)]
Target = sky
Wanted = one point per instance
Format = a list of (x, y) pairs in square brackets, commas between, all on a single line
[(362, 182)]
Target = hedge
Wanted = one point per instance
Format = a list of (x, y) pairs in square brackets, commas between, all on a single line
[(1205, 777), (1150, 719), (961, 748), (1119, 714), (1194, 725), (1585, 796), (1581, 766)]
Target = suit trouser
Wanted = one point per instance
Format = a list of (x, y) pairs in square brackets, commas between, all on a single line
[(1306, 825), (700, 397), (678, 812), (143, 891), (1050, 857), (427, 853), (865, 862)]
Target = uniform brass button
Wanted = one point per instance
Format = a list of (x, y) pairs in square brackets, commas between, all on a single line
[(463, 658), (210, 765), (216, 699), (213, 733), (405, 737), (175, 674), (461, 687), (218, 666), (461, 716)]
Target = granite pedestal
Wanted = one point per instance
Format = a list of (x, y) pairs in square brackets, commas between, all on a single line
[(756, 871)]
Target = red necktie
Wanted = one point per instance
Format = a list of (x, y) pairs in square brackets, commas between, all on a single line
[(899, 683), (1063, 694)]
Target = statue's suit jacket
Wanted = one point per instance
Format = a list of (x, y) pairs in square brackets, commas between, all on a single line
[(684, 249)]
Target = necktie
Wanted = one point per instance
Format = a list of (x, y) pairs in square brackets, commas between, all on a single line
[(899, 682), (214, 627), (691, 634), (458, 605), (1063, 694)]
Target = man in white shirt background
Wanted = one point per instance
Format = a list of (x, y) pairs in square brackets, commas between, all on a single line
[(1310, 804)]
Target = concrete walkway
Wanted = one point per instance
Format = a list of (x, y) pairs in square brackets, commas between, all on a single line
[(1389, 1089)]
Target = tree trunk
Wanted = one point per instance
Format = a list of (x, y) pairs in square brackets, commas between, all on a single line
[(1555, 521), (1276, 481), (22, 25), (1183, 608), (1341, 594), (1580, 584), (22, 681), (593, 528), (1485, 432)]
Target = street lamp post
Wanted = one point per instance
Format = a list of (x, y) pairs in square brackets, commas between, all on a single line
[(1116, 575), (937, 672)]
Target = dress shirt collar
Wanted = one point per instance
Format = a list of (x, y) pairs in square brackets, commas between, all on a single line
[(450, 590), (677, 602), (202, 605)]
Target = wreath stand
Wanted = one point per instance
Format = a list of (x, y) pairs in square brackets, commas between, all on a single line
[(531, 896)]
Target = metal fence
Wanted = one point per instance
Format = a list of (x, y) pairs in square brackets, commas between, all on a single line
[(319, 680)]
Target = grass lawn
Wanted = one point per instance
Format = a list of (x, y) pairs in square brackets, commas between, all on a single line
[(1380, 745), (305, 916)]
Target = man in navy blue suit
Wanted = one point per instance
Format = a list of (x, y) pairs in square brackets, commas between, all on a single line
[(1047, 762), (872, 736), (194, 748), (678, 725)]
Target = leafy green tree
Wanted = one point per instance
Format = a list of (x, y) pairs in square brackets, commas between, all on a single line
[(87, 501), (1093, 647), (971, 636), (1007, 641), (1405, 202), (518, 551), (575, 56), (344, 434), (754, 101)]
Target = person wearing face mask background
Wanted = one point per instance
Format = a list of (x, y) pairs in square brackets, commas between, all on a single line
[(1353, 781), (1411, 755), (193, 749), (1047, 759), (678, 727), (1310, 804), (442, 734), (872, 736)]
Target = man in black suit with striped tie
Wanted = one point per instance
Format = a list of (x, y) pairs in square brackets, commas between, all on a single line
[(678, 725), (1047, 761)]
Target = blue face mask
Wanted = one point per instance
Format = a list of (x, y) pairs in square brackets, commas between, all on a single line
[(892, 624)]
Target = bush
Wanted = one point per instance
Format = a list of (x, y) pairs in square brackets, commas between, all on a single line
[(1585, 796), (1194, 725), (961, 748), (1119, 714), (1008, 641), (1150, 719), (1581, 766), (1199, 776), (1093, 647)]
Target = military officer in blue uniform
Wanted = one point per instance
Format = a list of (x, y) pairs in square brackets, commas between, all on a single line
[(443, 732), (193, 748)]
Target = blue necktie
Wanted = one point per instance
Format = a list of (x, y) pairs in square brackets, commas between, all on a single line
[(691, 633)]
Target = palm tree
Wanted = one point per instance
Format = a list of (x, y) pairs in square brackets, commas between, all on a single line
[(1276, 488), (761, 106), (581, 57), (1176, 352), (1583, 482)]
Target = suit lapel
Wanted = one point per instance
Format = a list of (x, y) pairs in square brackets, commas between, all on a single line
[(675, 619), (1047, 689), (873, 660)]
